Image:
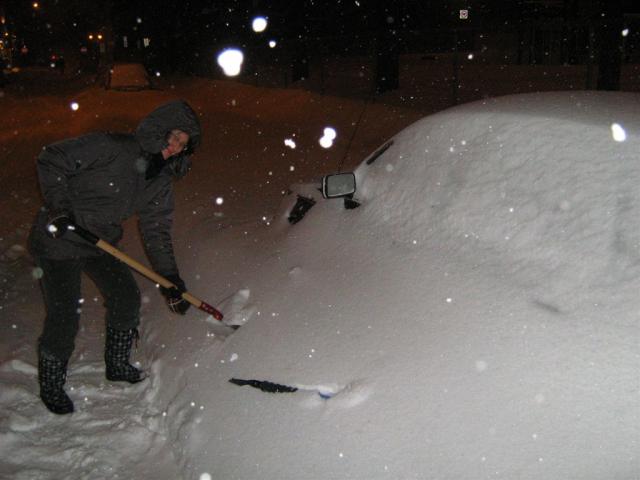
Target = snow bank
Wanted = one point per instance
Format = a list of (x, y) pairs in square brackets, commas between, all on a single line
[(121, 432), (543, 180), (475, 317)]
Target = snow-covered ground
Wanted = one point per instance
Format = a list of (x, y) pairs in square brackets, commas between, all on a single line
[(475, 317), (117, 433)]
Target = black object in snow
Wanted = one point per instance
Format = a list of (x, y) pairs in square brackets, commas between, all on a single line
[(265, 386), (378, 153), (302, 206)]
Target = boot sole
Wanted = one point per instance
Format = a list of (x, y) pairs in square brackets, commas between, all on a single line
[(119, 379), (58, 410)]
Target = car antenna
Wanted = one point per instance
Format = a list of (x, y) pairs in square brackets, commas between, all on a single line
[(353, 133)]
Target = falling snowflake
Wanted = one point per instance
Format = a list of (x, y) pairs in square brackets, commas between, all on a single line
[(325, 142), (619, 134), (329, 135), (481, 365), (230, 60), (259, 24)]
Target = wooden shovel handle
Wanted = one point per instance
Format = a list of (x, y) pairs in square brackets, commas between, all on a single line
[(147, 272)]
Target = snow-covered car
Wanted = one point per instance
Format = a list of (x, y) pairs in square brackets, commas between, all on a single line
[(471, 313), (128, 77)]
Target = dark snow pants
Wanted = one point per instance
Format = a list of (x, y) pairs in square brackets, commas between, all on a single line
[(61, 288)]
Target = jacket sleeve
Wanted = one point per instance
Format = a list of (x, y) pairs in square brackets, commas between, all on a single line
[(58, 162), (155, 220)]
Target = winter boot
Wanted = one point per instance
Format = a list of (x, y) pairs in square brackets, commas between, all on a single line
[(52, 374), (116, 356)]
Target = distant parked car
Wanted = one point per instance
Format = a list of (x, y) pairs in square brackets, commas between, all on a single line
[(128, 77)]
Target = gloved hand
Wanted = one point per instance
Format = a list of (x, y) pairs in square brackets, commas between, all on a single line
[(58, 224), (173, 296)]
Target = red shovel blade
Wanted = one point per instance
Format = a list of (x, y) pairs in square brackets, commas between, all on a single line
[(217, 314)]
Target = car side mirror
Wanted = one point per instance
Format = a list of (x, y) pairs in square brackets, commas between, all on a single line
[(338, 185)]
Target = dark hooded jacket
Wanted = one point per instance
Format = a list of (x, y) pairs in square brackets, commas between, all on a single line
[(100, 180)]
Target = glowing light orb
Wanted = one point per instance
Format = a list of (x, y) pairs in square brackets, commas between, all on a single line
[(272, 43), (625, 32), (259, 24), (290, 143), (326, 142), (219, 201), (74, 106), (619, 134), (329, 135), (230, 60)]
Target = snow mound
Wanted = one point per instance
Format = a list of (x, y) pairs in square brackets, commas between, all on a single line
[(475, 316), (549, 182), (237, 308)]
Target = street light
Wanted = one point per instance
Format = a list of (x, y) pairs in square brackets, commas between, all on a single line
[(36, 5)]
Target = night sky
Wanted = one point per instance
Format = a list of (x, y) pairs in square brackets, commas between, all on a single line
[(179, 35)]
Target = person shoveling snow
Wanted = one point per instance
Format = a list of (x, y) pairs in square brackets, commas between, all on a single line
[(94, 182)]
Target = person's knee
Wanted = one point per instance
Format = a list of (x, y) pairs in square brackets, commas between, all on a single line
[(131, 300), (123, 310)]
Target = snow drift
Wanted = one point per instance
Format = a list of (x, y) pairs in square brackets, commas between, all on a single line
[(541, 180), (475, 317)]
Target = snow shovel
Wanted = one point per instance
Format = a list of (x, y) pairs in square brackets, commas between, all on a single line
[(150, 274)]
